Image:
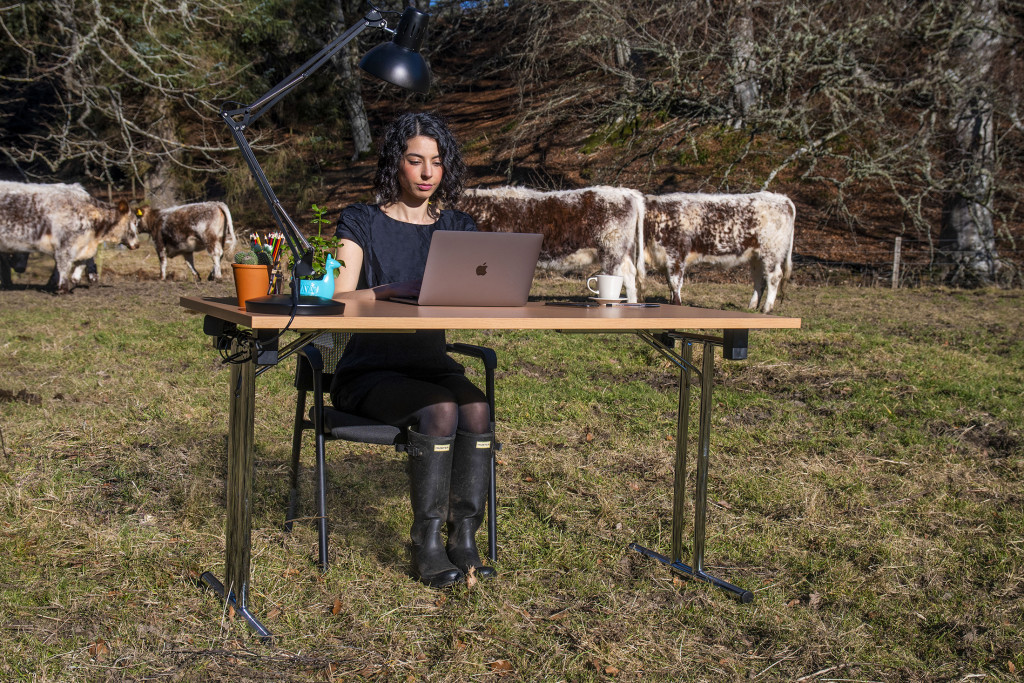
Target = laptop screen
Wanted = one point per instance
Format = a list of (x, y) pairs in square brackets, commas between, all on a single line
[(479, 269)]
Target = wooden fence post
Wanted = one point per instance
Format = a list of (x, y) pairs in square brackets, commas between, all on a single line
[(896, 263)]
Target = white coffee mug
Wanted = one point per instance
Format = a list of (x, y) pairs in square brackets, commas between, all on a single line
[(608, 286)]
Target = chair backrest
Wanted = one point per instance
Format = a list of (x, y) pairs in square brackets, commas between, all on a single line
[(331, 346)]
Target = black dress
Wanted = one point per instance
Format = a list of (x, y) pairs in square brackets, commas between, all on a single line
[(393, 251)]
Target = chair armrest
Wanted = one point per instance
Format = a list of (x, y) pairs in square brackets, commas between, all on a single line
[(490, 362), (312, 356), (308, 361), (486, 355)]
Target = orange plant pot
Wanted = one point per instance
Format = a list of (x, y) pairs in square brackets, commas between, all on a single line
[(251, 280)]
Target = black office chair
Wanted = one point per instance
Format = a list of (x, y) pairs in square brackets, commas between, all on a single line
[(313, 373)]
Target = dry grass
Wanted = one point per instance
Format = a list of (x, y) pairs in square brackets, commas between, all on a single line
[(866, 484)]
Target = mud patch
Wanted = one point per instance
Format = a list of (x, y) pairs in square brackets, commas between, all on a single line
[(23, 395), (994, 439)]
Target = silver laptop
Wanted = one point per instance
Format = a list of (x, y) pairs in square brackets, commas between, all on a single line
[(478, 269)]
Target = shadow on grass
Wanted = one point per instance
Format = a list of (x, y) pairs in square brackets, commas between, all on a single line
[(367, 504)]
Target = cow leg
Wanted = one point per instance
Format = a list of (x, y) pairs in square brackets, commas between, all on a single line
[(5, 272), (628, 272), (77, 272), (91, 272), (163, 265), (759, 276), (675, 282), (61, 278), (216, 252), (774, 279), (190, 261)]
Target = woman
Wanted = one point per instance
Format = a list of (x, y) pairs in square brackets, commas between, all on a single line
[(408, 379)]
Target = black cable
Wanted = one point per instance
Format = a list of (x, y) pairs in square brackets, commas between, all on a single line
[(245, 355)]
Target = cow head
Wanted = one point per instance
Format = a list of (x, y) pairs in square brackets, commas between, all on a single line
[(130, 218), (147, 217), (17, 260)]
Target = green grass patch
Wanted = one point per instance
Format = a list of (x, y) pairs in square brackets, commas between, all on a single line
[(865, 482)]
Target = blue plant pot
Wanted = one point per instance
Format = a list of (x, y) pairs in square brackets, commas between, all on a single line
[(324, 286)]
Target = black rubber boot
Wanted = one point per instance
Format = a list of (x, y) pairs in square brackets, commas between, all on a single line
[(430, 468), (471, 476)]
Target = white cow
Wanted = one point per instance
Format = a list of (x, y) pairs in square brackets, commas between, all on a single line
[(726, 230), (187, 228), (62, 220), (580, 227)]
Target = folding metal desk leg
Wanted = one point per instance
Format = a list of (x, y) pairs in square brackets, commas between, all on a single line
[(239, 486), (700, 499), (701, 494), (682, 446)]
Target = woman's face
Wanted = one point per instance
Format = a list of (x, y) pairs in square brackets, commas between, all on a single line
[(420, 172)]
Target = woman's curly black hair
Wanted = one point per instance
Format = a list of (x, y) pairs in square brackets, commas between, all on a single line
[(392, 148)]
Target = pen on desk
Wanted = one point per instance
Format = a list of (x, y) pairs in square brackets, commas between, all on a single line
[(583, 304)]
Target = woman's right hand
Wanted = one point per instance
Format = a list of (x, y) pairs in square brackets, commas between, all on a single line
[(409, 288)]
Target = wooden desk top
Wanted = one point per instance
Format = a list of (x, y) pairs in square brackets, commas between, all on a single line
[(386, 316)]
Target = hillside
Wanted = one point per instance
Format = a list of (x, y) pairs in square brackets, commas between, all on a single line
[(829, 248)]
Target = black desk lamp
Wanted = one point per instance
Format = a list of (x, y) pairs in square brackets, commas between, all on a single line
[(398, 62)]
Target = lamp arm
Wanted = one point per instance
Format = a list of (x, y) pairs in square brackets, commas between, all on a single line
[(241, 118)]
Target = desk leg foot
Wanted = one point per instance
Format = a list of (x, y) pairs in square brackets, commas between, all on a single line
[(217, 587), (744, 596)]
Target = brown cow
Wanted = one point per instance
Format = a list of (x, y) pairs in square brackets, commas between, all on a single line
[(602, 224), (186, 229), (62, 220), (724, 229)]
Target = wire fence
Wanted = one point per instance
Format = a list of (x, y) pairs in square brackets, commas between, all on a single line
[(903, 262)]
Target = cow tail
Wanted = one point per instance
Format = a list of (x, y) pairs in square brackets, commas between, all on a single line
[(638, 249), (787, 268), (228, 238)]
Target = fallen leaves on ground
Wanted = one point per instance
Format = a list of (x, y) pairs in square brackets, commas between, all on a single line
[(99, 650), (501, 666)]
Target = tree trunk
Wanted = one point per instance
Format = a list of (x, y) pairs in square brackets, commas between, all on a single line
[(967, 236), (161, 185), (629, 62), (351, 87), (745, 89)]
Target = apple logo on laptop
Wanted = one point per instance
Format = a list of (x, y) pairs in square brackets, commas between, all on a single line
[(482, 269)]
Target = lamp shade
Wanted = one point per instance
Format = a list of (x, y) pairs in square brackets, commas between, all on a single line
[(399, 61)]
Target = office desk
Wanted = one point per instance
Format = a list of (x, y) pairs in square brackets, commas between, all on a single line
[(661, 327)]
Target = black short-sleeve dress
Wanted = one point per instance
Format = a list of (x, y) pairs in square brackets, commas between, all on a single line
[(393, 251)]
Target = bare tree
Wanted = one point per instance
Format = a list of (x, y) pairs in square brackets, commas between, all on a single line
[(894, 100), (351, 86), (968, 233), (115, 89), (746, 88)]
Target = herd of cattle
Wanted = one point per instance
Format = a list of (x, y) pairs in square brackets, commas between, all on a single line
[(622, 230), (68, 223)]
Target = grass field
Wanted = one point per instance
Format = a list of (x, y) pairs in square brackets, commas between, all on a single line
[(866, 484)]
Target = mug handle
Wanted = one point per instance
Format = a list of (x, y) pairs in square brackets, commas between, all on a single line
[(591, 288)]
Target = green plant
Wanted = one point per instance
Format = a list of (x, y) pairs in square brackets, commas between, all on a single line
[(322, 246), (252, 257)]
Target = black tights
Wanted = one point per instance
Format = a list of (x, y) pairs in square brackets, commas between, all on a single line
[(434, 408)]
